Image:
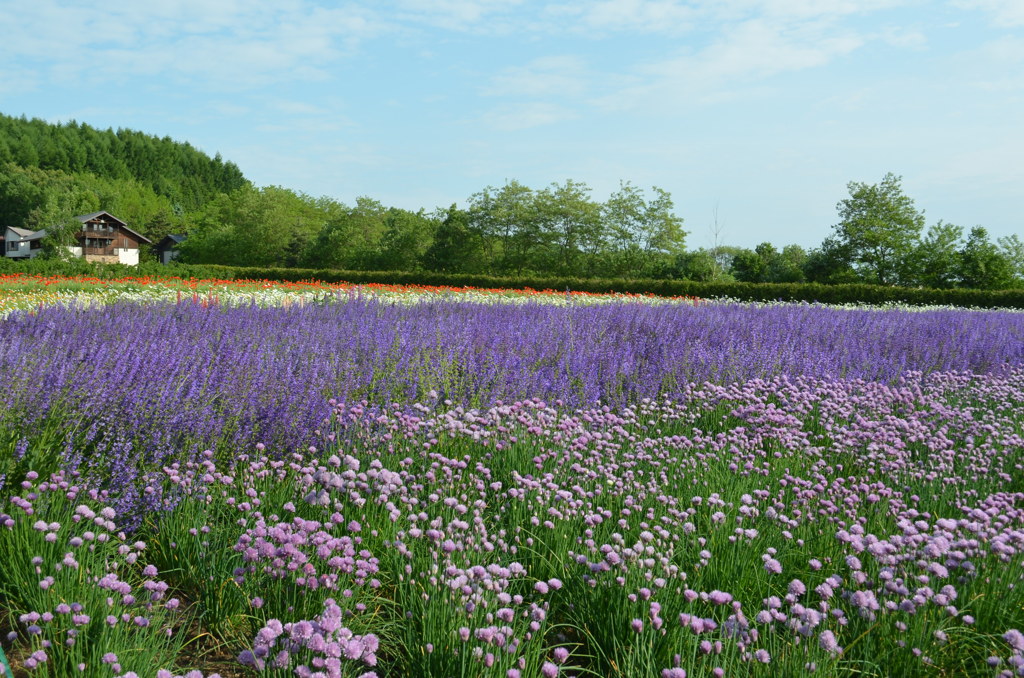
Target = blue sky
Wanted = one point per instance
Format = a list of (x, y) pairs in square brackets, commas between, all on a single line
[(759, 111)]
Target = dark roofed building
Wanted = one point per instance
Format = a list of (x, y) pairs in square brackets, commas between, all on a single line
[(167, 249)]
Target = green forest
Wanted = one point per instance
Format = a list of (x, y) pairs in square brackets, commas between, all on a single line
[(51, 172)]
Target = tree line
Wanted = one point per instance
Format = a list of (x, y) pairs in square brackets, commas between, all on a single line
[(511, 230), (561, 230), (50, 172)]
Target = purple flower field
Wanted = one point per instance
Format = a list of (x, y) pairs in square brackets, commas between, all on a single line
[(131, 380), (454, 489)]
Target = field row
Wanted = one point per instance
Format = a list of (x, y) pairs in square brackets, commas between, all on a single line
[(163, 380), (29, 292), (770, 528)]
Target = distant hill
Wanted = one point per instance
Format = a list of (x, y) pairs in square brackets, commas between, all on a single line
[(51, 171), (173, 169)]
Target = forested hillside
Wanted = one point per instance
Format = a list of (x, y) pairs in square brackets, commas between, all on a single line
[(51, 172), (173, 169)]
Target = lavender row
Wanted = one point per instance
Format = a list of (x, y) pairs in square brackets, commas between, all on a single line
[(150, 380), (763, 528)]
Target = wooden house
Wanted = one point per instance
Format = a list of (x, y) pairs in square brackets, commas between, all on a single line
[(102, 237)]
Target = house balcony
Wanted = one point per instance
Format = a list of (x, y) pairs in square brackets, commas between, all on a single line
[(107, 251)]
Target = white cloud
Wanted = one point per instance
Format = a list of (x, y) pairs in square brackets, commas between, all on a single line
[(459, 15), (740, 59), (548, 76), (759, 48), (648, 16), (726, 49), (297, 108), (806, 9), (903, 38), (515, 117), (995, 66), (1005, 13), (1006, 51), (676, 16), (213, 45)]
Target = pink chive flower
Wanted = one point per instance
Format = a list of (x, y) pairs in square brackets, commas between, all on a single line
[(720, 597), (827, 641), (1015, 638)]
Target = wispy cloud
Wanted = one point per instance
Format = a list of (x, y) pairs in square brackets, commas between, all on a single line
[(215, 45), (997, 65), (718, 50), (644, 16), (516, 117), (460, 15), (558, 76), (903, 38), (742, 57), (677, 16), (801, 9), (1004, 13)]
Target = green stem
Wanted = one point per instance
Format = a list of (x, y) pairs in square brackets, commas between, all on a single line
[(5, 665)]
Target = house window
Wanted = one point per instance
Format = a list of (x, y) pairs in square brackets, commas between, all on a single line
[(12, 246), (34, 245)]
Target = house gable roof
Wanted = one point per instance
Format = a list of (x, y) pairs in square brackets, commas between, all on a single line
[(102, 213), (170, 240), (89, 217), (24, 234)]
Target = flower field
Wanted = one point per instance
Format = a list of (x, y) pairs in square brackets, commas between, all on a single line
[(29, 292), (244, 479)]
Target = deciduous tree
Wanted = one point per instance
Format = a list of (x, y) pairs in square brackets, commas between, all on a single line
[(982, 265), (879, 227), (936, 259)]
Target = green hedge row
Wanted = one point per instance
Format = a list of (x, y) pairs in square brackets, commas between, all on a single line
[(810, 292)]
